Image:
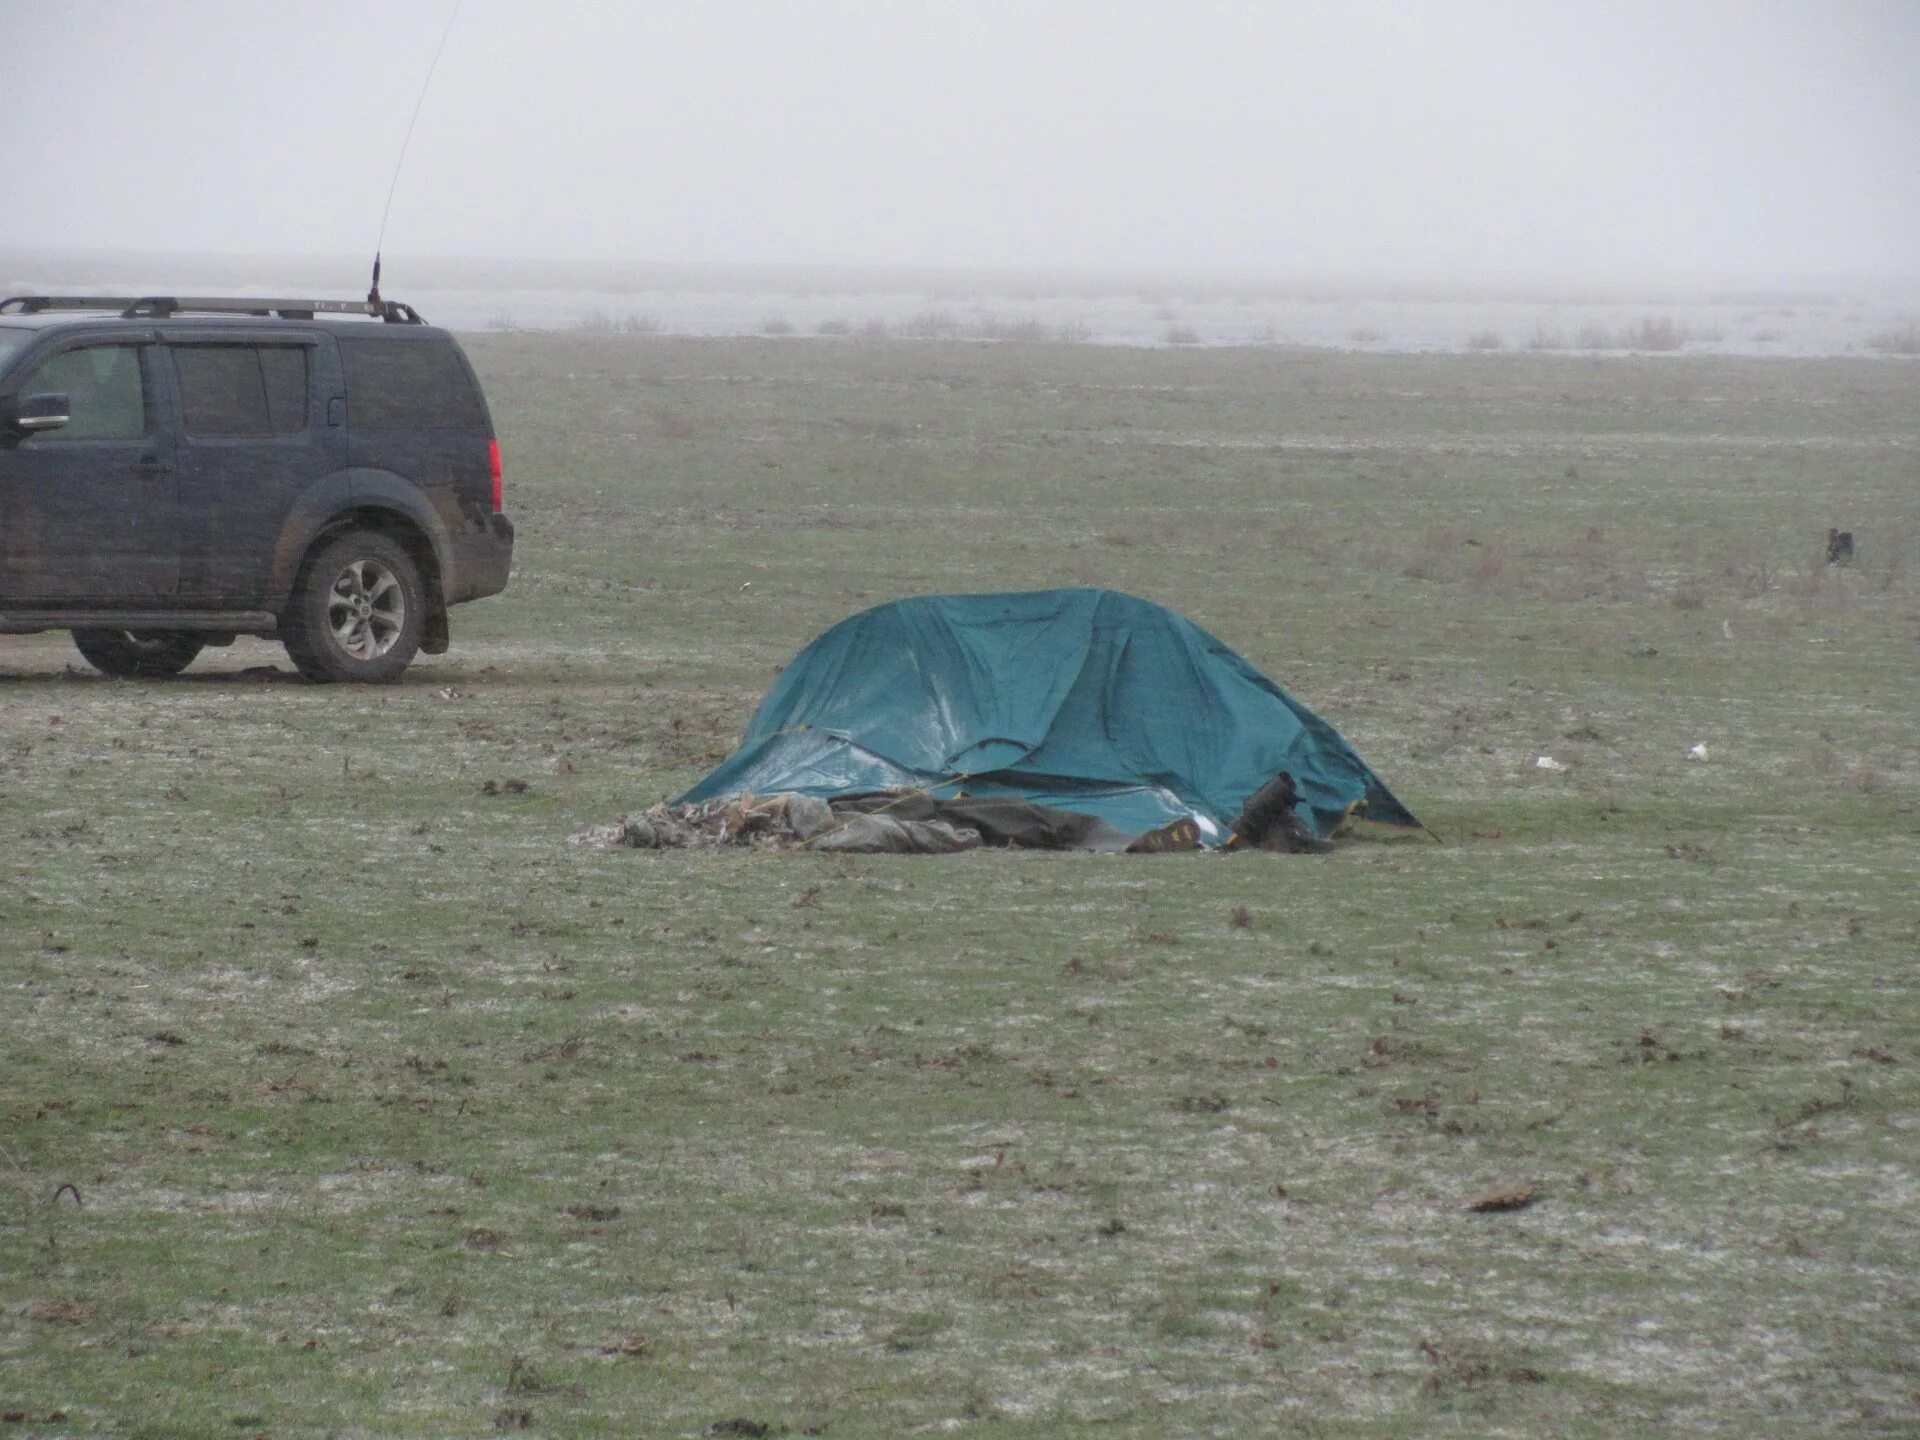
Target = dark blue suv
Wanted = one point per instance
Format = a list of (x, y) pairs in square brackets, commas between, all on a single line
[(176, 472)]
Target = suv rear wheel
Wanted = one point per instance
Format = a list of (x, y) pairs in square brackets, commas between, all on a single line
[(357, 610), (138, 654)]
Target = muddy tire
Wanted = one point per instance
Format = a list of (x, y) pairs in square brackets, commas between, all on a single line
[(138, 654), (357, 611)]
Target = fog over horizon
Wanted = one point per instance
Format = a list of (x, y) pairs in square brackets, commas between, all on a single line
[(1699, 140)]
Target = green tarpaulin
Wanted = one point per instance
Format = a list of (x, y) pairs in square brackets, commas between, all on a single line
[(1087, 700)]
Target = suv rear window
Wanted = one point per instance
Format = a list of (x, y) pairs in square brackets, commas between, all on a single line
[(235, 390), (408, 385)]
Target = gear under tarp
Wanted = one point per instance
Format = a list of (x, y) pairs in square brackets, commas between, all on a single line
[(1085, 700)]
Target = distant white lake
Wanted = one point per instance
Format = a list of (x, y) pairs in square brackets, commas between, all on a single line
[(1355, 314)]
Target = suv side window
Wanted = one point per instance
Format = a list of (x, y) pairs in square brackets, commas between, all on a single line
[(242, 390), (408, 385), (103, 390)]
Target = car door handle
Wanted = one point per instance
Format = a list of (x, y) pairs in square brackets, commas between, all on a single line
[(152, 465)]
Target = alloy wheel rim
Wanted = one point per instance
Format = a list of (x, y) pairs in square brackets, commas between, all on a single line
[(366, 609)]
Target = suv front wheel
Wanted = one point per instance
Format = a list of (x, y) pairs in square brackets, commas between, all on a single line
[(138, 654), (357, 610)]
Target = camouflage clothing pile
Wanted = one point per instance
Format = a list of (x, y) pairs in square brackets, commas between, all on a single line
[(780, 822), (913, 822)]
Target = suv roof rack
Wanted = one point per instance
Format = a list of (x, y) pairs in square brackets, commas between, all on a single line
[(159, 307)]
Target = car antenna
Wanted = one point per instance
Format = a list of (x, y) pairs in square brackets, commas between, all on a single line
[(375, 306)]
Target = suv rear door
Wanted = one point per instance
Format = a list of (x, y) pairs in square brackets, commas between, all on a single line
[(415, 410), (254, 434), (89, 512)]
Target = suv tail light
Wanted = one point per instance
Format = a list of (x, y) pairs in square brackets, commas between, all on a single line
[(499, 479)]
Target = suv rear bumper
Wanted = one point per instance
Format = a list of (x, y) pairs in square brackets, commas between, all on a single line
[(482, 561)]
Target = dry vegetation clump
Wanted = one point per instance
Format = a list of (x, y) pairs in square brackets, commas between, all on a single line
[(1689, 593), (1808, 581), (1593, 566), (1181, 335), (776, 325), (605, 322), (944, 325), (1655, 333), (1489, 568), (1023, 328), (1892, 556), (1485, 340), (834, 327), (930, 325), (1809, 584), (1436, 554), (1899, 340), (1751, 576)]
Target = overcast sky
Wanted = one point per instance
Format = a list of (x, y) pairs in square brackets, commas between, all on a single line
[(1687, 137)]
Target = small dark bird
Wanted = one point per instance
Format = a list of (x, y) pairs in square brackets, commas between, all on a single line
[(1839, 547), (1269, 821)]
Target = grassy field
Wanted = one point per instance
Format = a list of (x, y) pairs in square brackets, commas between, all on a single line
[(341, 1097)]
